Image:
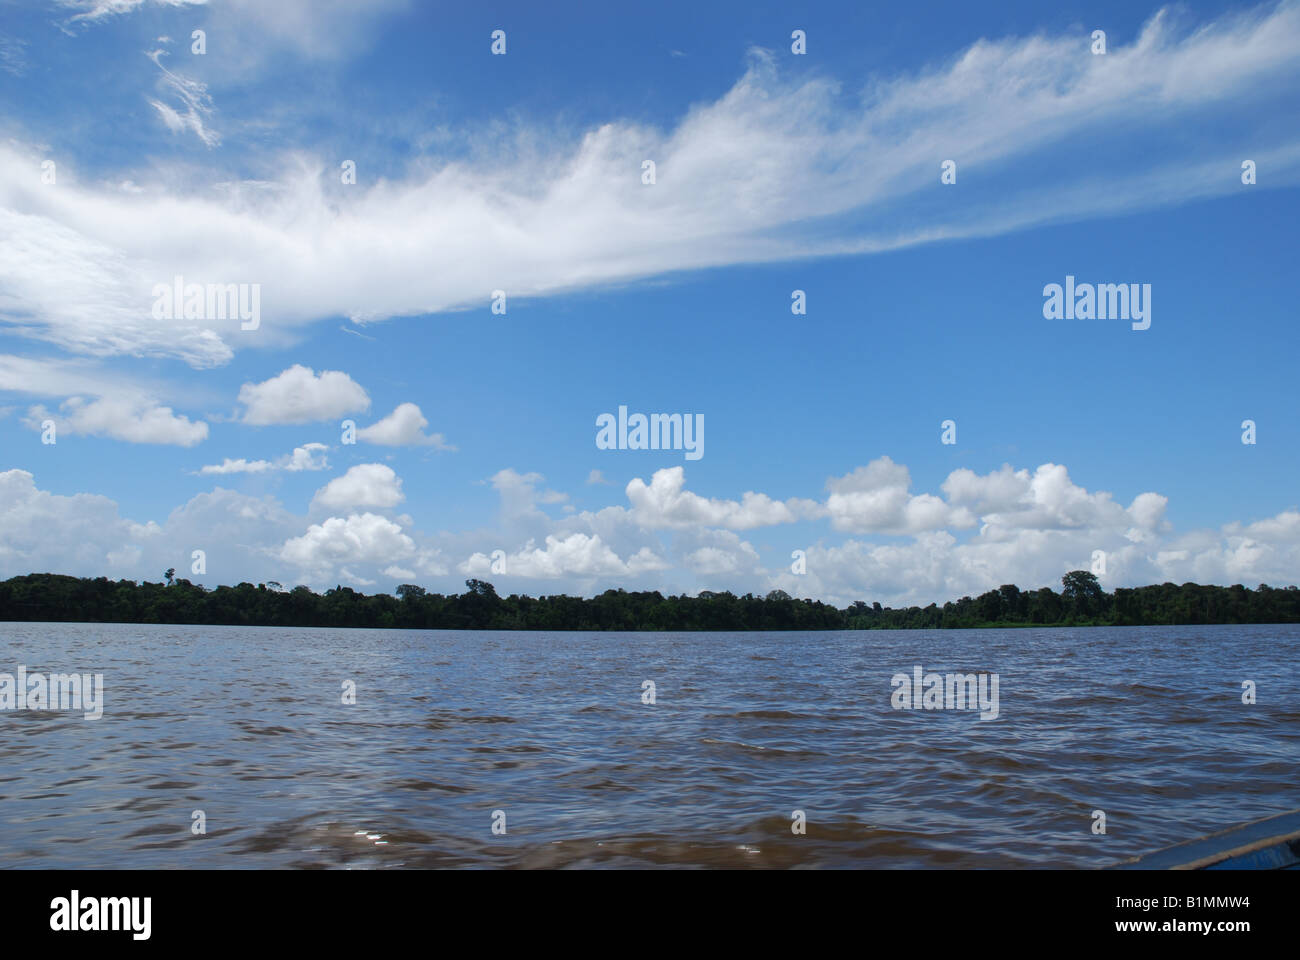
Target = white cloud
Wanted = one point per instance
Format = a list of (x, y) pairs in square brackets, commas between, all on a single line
[(132, 419), (577, 554), (365, 485), (194, 100), (1002, 489), (119, 408), (1052, 501), (90, 11), (311, 29), (12, 59), (255, 31), (298, 395), (310, 456), (250, 538), (431, 563), (238, 466), (1148, 510), (56, 378), (775, 168), (875, 498), (519, 494), (404, 427), (721, 554), (85, 535), (665, 503), (42, 531), (357, 539)]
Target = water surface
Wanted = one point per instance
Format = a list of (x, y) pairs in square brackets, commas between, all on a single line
[(247, 725)]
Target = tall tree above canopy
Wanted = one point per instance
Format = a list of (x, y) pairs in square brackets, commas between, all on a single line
[(1082, 590)]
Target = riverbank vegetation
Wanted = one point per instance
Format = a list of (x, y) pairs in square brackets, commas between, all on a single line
[(1080, 602)]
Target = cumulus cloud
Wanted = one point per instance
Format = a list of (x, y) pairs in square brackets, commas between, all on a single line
[(365, 538), (1056, 526), (776, 167), (404, 427), (365, 485), (665, 502), (577, 554), (520, 496), (1148, 510), (298, 395), (719, 556), (45, 531), (999, 490), (876, 498), (85, 535), (310, 456), (133, 419)]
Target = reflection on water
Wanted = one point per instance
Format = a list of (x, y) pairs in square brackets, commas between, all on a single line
[(248, 726)]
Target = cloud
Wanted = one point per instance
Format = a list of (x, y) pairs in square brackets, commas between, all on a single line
[(1000, 490), (357, 539), (93, 11), (56, 378), (132, 419), (596, 477), (1049, 500), (45, 531), (238, 466), (720, 557), (85, 535), (776, 168), (298, 395), (310, 456), (365, 485), (118, 408), (310, 29), (12, 58), (519, 494), (403, 428), (255, 31), (665, 503), (193, 99), (875, 498), (1055, 527), (577, 554), (1148, 510)]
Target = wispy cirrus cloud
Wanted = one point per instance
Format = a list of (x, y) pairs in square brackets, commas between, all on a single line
[(13, 57), (776, 168), (193, 99), (86, 13)]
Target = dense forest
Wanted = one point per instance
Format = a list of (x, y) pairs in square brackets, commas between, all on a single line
[(1081, 602)]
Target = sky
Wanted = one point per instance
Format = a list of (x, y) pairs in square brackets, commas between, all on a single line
[(455, 261)]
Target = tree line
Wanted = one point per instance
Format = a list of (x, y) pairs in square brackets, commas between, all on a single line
[(1081, 602)]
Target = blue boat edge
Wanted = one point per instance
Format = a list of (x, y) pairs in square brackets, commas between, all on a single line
[(1272, 843)]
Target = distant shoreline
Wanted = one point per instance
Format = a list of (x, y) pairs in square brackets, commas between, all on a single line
[(55, 598)]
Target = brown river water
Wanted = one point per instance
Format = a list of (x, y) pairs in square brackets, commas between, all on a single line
[(453, 732)]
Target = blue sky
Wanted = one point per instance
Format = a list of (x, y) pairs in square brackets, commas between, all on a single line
[(775, 172)]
